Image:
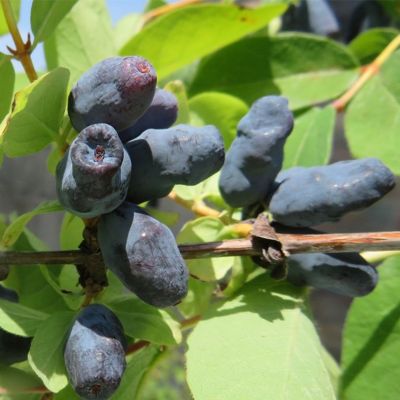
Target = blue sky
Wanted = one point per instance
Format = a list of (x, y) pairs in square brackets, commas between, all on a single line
[(117, 8)]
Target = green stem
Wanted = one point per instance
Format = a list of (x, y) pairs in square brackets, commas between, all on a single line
[(22, 52)]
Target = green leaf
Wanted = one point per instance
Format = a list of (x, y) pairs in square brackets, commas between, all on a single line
[(7, 79), (313, 130), (179, 90), (16, 380), (46, 355), (28, 280), (206, 190), (152, 4), (66, 394), (206, 229), (369, 44), (36, 114), (190, 33), (46, 15), (332, 368), (371, 340), (15, 4), (20, 320), (15, 229), (135, 371), (142, 321), (71, 232), (219, 109), (198, 298), (372, 118), (83, 38), (168, 218), (306, 69), (125, 28), (267, 344)]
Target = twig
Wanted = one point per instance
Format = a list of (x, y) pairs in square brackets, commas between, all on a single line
[(198, 207), (38, 389), (22, 51), (292, 243), (367, 73)]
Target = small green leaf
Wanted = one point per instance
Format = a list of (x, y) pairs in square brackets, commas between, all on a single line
[(186, 36), (83, 38), (267, 342), (46, 15), (306, 69), (206, 229), (136, 368), (20, 320), (369, 44), (15, 5), (7, 79), (312, 130), (219, 109), (36, 114), (371, 340), (372, 118), (15, 229), (142, 321), (46, 355), (71, 232)]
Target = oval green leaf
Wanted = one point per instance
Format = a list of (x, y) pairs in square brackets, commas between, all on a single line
[(36, 114), (189, 33), (307, 69), (267, 344)]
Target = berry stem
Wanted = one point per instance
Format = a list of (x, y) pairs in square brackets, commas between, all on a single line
[(22, 51), (366, 73)]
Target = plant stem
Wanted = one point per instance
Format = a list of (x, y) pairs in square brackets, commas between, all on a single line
[(22, 52), (367, 73), (291, 243), (39, 389), (198, 207)]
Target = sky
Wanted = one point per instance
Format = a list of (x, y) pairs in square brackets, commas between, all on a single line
[(117, 8)]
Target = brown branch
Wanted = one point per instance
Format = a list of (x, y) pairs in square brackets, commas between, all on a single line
[(292, 243), (367, 73), (22, 51), (39, 389)]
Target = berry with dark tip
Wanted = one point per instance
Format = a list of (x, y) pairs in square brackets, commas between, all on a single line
[(161, 114), (162, 158), (94, 353), (347, 274), (143, 253), (311, 196), (115, 91), (13, 348), (255, 156), (93, 177)]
